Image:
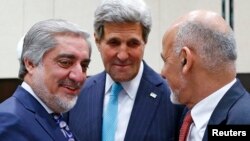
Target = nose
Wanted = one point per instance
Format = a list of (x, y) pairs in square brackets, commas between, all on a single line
[(77, 74), (123, 53)]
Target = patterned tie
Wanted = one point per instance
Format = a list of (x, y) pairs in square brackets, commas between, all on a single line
[(185, 126), (63, 126), (110, 115)]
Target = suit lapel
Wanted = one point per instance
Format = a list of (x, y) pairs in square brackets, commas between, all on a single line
[(220, 113), (41, 115), (145, 106), (50, 126)]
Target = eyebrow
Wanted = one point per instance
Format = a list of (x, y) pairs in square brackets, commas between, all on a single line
[(70, 56), (86, 61), (66, 56)]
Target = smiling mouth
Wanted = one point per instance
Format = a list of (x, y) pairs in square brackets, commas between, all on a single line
[(71, 89)]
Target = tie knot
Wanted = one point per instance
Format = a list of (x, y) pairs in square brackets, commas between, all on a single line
[(116, 88), (57, 116)]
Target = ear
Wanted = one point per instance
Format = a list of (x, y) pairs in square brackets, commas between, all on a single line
[(29, 65), (97, 41), (187, 59)]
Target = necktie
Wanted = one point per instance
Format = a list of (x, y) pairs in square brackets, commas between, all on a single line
[(110, 115), (63, 126), (185, 127)]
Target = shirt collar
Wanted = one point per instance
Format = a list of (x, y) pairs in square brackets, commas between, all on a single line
[(130, 87), (202, 111), (27, 87)]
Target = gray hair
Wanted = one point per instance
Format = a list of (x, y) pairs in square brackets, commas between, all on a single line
[(41, 38), (123, 11), (214, 47)]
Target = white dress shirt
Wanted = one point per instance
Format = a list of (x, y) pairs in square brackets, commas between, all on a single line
[(202, 112), (126, 101)]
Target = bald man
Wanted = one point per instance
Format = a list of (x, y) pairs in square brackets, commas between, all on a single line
[(199, 54)]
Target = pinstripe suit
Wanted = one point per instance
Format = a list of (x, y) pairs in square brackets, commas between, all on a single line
[(151, 119)]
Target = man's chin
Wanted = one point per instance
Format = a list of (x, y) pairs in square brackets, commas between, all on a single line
[(67, 103), (174, 98)]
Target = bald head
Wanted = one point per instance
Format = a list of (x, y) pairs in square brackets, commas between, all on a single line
[(207, 34), (209, 19)]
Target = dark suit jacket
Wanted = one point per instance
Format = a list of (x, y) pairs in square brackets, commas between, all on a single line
[(151, 119), (233, 108), (22, 118)]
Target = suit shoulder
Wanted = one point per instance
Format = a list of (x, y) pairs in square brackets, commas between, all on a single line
[(242, 104), (12, 108), (9, 116), (152, 76), (9, 105), (240, 110), (92, 80)]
